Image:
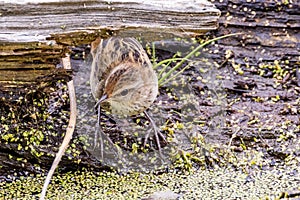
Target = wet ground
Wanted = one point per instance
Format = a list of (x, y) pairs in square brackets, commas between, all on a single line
[(179, 111), (212, 114), (225, 107), (242, 110)]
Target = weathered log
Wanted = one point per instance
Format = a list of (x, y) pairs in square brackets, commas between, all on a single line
[(270, 31), (28, 61), (261, 68), (26, 27), (35, 22)]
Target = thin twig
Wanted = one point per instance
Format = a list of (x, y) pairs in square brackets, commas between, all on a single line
[(69, 132)]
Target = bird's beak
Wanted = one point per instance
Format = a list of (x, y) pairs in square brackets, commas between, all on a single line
[(103, 98)]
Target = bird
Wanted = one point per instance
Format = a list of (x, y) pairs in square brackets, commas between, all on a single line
[(122, 80)]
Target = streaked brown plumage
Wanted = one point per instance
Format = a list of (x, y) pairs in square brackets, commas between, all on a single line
[(122, 78), (122, 71)]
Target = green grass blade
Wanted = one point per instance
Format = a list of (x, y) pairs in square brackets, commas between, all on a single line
[(161, 80)]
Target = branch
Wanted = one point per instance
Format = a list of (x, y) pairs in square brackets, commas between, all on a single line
[(69, 132)]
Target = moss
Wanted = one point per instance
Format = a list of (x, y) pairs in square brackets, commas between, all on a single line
[(34, 121), (208, 184), (49, 111)]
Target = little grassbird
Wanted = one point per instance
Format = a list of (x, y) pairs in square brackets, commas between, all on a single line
[(122, 79)]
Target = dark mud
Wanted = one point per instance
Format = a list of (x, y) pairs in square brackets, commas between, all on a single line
[(213, 116), (212, 113)]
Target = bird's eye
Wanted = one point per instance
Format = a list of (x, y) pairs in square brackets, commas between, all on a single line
[(124, 92)]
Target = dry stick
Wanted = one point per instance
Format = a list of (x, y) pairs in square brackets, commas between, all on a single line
[(69, 132)]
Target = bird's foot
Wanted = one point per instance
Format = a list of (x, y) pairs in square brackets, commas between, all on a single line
[(157, 134)]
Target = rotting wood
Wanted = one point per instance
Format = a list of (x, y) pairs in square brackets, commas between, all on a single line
[(270, 43), (30, 55), (271, 31), (28, 62)]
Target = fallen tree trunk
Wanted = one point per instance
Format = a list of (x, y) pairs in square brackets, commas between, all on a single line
[(25, 28), (36, 22)]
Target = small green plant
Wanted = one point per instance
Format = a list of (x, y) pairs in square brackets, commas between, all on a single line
[(168, 76)]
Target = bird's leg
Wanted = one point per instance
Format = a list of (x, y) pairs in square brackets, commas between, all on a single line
[(99, 129), (157, 132)]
